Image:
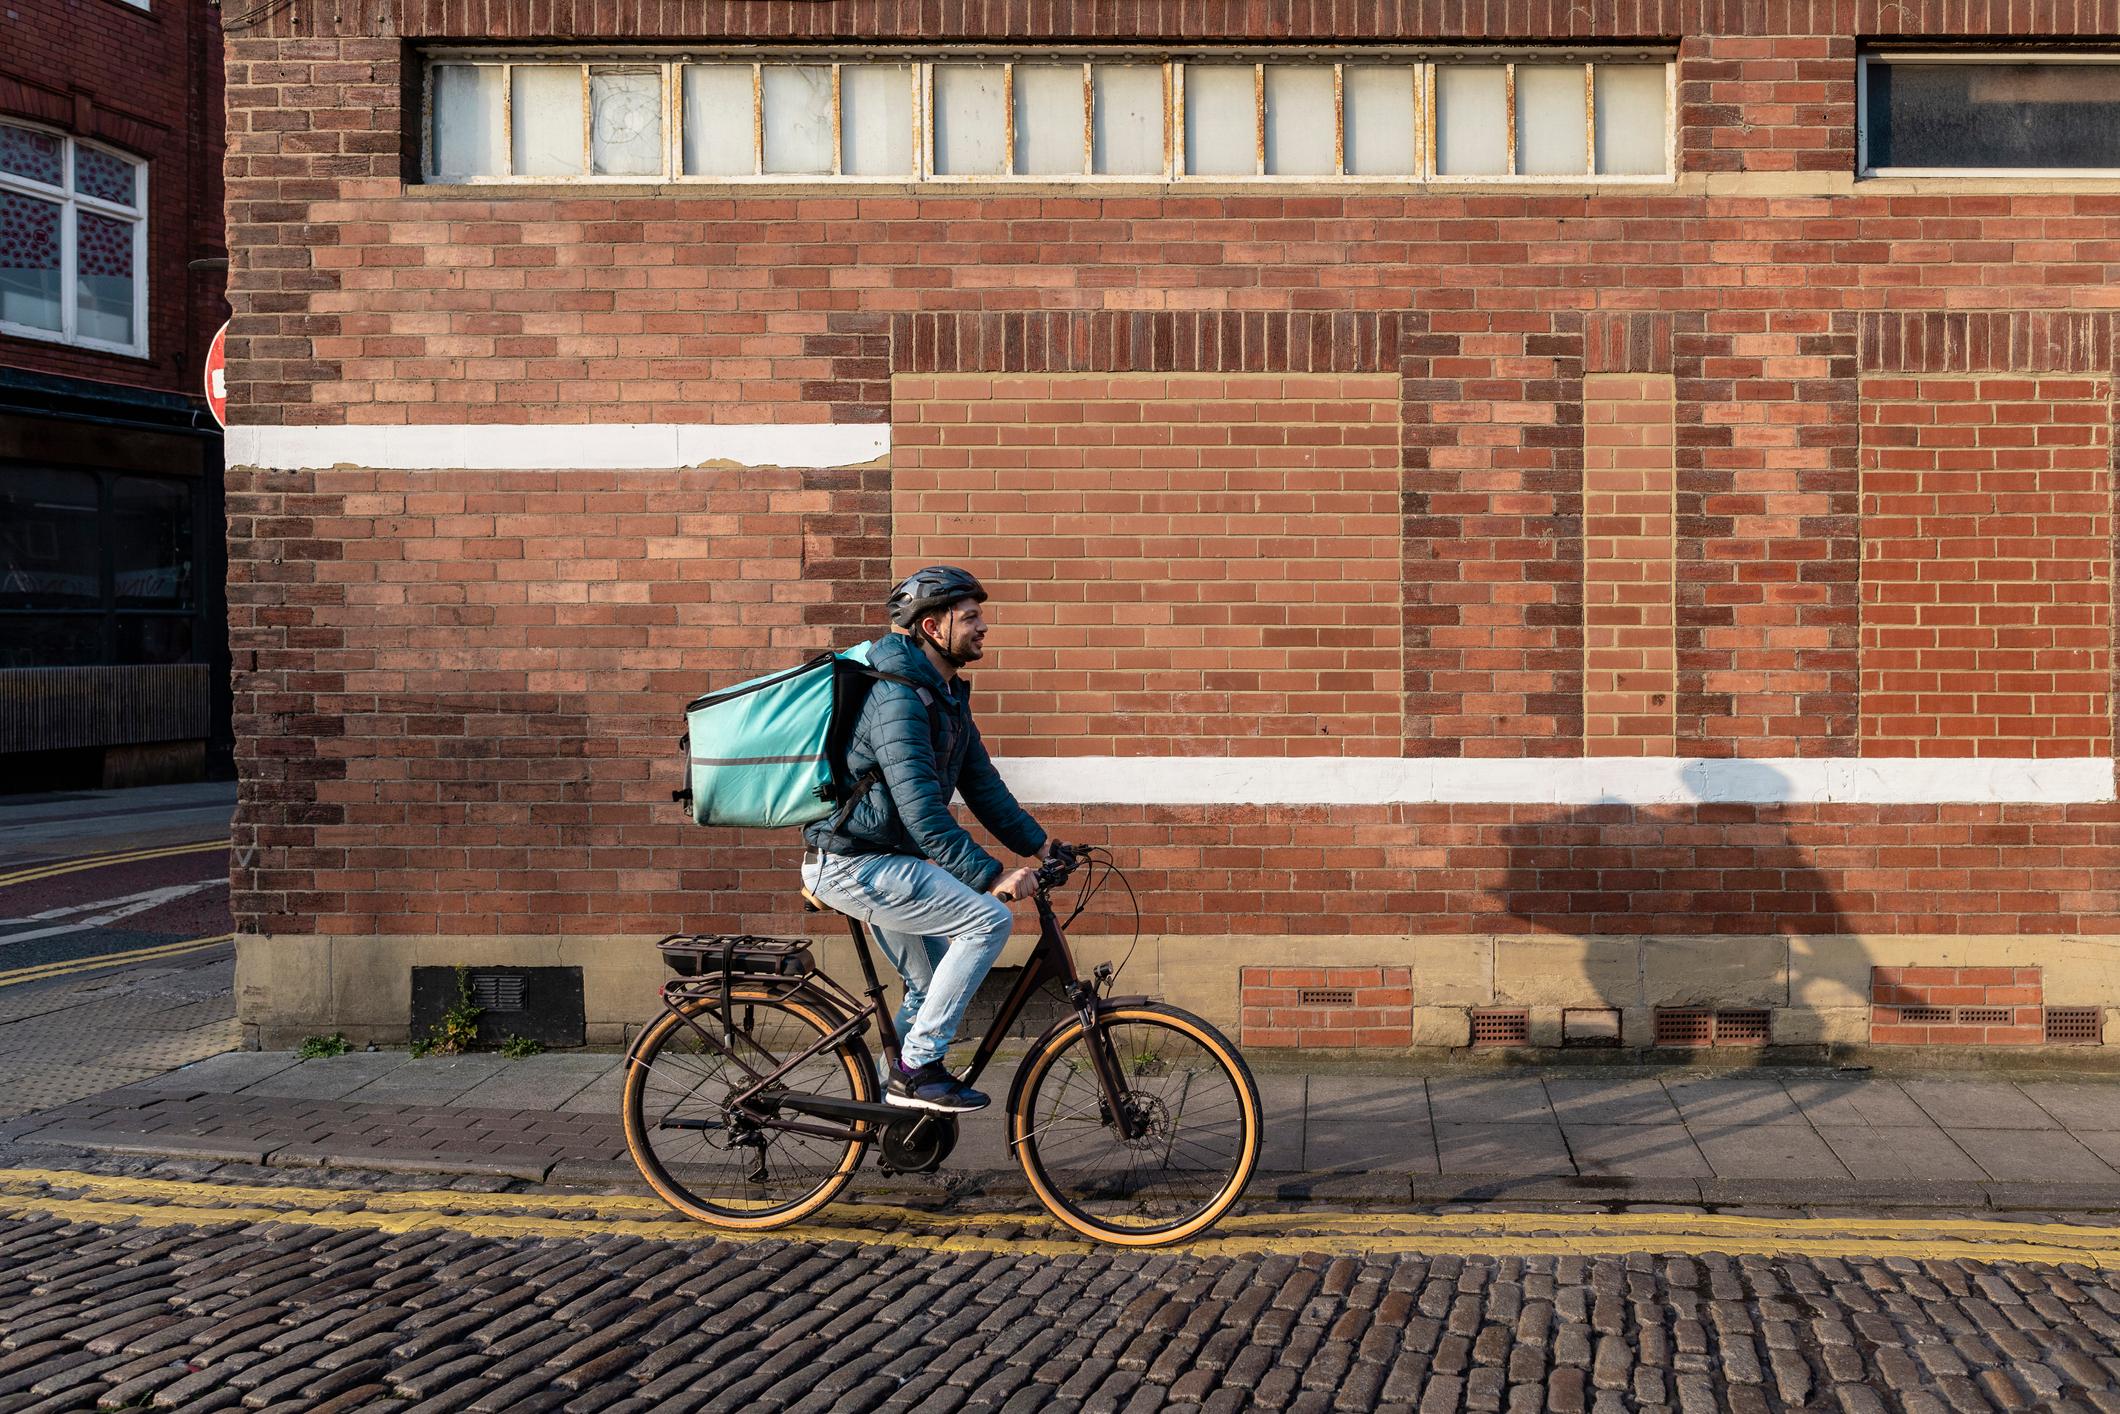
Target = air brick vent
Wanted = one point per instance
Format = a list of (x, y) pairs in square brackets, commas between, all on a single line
[(1926, 1015), (1985, 1016), (1501, 1028), (1684, 1026), (2073, 1026), (1741, 1028), (498, 991), (1325, 996)]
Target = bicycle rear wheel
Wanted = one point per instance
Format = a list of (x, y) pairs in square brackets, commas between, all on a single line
[(708, 1161), (1196, 1106)]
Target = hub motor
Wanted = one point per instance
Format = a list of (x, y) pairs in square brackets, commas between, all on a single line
[(918, 1143)]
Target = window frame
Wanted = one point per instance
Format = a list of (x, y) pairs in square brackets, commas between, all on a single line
[(71, 203), (922, 63), (1865, 172)]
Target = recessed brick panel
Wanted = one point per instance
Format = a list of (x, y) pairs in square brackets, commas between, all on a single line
[(1987, 565), (1181, 563), (1280, 1006), (1957, 1006), (1630, 658)]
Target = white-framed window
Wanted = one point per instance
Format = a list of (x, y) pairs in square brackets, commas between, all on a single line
[(73, 241), (1997, 113), (1097, 117)]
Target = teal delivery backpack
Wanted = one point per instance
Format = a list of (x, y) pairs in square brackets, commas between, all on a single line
[(772, 751)]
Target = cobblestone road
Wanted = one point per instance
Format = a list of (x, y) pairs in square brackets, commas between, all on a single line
[(119, 1291)]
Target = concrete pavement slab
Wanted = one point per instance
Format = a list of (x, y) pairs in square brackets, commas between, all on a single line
[(1282, 1099), (2015, 1156), (1726, 1103), (329, 1077), (223, 1074), (1977, 1104), (2078, 1107), (1909, 1152), (1767, 1151), (1363, 1124), (1601, 1100), (1502, 1099), (1636, 1150), (539, 1082), (1855, 1102), (2104, 1143), (600, 1096), (430, 1080), (1512, 1148)]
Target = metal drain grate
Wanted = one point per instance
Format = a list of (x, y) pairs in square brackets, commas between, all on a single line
[(1741, 1028), (1985, 1015), (2074, 1026), (1684, 1026), (1324, 996), (1501, 1028), (1926, 1015)]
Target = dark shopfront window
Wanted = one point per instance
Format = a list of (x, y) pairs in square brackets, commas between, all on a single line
[(96, 567)]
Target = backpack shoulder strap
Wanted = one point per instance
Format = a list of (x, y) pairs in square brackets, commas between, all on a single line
[(868, 780), (920, 689)]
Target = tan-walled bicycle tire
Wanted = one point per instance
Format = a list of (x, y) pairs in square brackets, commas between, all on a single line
[(850, 1053), (1022, 1139)]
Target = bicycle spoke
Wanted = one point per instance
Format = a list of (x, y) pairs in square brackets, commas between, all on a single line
[(739, 1164), (1192, 1122)]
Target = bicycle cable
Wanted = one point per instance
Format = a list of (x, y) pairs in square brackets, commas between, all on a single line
[(1093, 882)]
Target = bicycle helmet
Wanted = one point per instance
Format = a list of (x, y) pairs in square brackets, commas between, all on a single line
[(925, 591)]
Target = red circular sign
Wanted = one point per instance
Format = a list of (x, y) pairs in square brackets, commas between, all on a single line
[(217, 375)]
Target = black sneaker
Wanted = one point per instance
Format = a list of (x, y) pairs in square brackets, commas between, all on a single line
[(931, 1088)]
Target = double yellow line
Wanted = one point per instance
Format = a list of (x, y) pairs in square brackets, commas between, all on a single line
[(157, 1203), (52, 868), (69, 966)]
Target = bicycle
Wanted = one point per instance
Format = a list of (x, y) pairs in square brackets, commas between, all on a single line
[(751, 1099)]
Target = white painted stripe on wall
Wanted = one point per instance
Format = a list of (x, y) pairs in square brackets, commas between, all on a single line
[(1652, 780), (570, 446)]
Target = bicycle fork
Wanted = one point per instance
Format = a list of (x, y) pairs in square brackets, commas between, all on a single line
[(1104, 1060)]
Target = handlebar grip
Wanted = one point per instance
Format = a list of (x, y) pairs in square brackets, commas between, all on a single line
[(1004, 895)]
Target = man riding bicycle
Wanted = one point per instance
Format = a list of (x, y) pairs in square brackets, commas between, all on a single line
[(898, 861)]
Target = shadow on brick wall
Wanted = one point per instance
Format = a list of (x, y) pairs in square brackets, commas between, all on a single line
[(1732, 861)]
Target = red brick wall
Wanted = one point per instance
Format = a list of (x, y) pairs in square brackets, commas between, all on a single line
[(1630, 669), (1331, 1007), (458, 694), (530, 753), (1957, 1006), (1181, 562), (1987, 574), (147, 82)]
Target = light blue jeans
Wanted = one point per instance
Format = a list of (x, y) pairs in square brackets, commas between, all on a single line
[(941, 935)]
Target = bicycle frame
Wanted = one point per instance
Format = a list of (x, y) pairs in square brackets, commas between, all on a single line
[(1050, 961)]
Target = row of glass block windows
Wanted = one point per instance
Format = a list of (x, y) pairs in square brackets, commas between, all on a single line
[(733, 120)]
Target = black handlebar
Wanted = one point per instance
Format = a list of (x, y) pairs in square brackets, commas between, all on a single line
[(1054, 871)]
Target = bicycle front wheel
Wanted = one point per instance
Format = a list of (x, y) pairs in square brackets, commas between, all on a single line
[(712, 1163), (1197, 1126)]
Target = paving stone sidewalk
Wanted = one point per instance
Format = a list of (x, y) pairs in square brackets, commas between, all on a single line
[(1627, 1133)]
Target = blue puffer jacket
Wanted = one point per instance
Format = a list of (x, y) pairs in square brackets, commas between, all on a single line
[(924, 757)]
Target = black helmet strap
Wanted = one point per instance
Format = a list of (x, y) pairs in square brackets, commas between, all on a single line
[(920, 632)]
